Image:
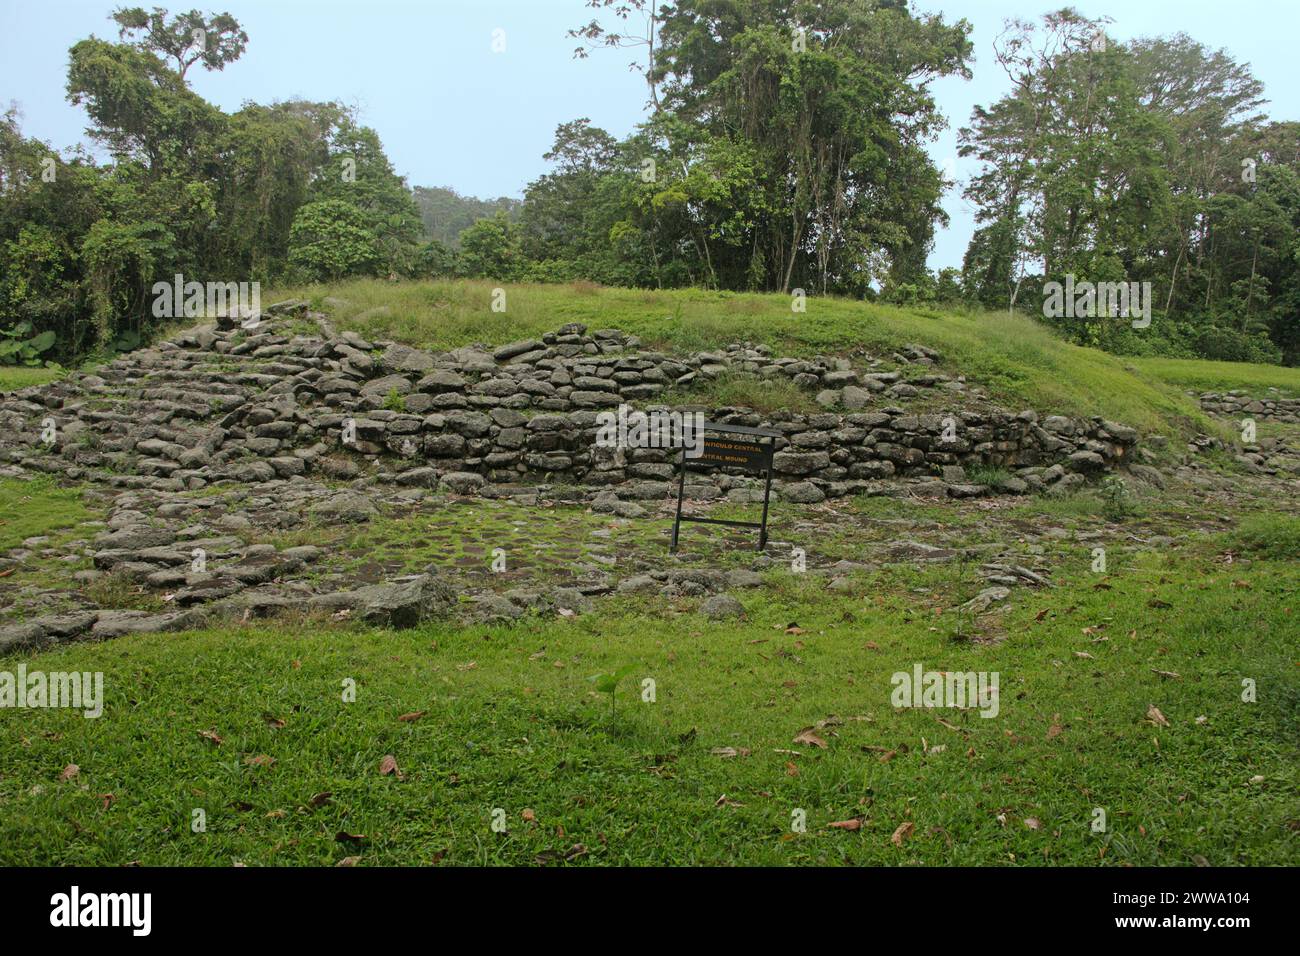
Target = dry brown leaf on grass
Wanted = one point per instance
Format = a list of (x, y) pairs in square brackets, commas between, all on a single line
[(730, 752), (349, 861), (70, 771), (806, 736), (320, 799), (1032, 823), (211, 736), (412, 716), (1055, 730), (854, 824), (261, 760), (344, 837), (272, 721), (1157, 718), (389, 766), (904, 831), (528, 816)]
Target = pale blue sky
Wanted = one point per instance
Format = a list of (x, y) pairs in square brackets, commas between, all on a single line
[(452, 112)]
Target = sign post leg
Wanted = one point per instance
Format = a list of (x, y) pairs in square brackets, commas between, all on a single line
[(681, 490), (767, 493)]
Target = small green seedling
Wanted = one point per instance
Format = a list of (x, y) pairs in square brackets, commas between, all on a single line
[(608, 684)]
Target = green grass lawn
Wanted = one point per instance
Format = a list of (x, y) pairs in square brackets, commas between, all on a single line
[(710, 772), (1017, 359), (1206, 376), (14, 377), (40, 506)]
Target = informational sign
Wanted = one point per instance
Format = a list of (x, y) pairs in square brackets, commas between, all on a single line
[(753, 456), (731, 446)]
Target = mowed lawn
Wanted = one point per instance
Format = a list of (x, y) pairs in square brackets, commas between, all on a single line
[(510, 723)]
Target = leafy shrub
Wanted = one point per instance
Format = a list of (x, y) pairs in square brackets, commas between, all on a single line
[(19, 347)]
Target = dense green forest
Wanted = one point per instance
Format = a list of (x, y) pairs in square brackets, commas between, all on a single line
[(446, 213), (783, 149)]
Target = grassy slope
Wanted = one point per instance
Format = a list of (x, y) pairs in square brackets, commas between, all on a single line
[(1019, 360), (511, 721)]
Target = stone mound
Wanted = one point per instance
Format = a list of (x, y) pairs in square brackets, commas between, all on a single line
[(307, 425)]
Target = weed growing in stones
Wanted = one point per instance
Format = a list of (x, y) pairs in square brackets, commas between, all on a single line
[(1116, 498)]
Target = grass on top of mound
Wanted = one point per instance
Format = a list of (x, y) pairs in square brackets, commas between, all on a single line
[(1018, 360), (1206, 376)]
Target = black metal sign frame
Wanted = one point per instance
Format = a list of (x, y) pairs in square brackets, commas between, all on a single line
[(755, 456)]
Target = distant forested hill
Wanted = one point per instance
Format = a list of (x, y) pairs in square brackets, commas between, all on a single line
[(446, 212)]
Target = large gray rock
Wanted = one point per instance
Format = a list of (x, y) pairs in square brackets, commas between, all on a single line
[(516, 348), (441, 380), (803, 492), (463, 482), (722, 607), (121, 623), (401, 358), (347, 506), (134, 537), (23, 634), (402, 603), (493, 607)]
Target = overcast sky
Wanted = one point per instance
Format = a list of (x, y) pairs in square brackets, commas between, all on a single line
[(452, 112)]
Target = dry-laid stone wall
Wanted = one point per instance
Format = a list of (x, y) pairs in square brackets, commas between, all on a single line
[(226, 403), (1240, 405)]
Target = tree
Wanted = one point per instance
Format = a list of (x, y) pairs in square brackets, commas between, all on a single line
[(330, 239), (831, 100), (445, 213), (1142, 162), (358, 172), (489, 249), (187, 38), (596, 35)]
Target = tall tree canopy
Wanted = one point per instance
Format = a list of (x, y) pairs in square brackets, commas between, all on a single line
[(249, 196), (1140, 162)]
